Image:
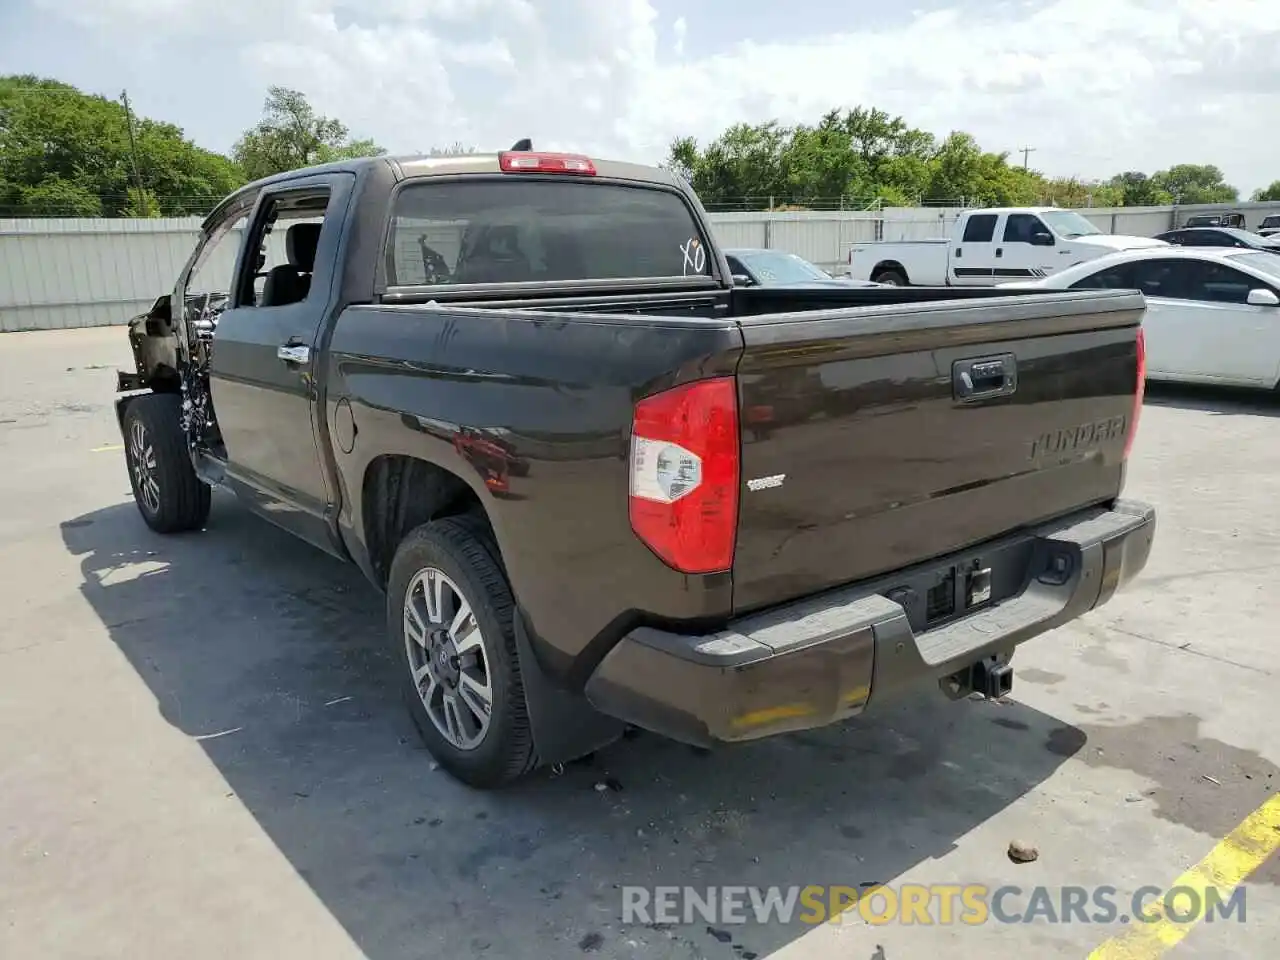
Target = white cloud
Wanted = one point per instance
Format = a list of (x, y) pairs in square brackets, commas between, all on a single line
[(1095, 85)]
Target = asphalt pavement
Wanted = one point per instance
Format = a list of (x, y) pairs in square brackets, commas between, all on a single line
[(201, 754)]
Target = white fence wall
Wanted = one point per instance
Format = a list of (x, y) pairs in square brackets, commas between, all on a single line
[(59, 273), (82, 273)]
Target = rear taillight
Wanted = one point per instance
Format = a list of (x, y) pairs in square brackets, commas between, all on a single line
[(1138, 394), (523, 162), (684, 474)]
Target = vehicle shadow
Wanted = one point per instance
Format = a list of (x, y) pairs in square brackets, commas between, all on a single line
[(1221, 401), (273, 654)]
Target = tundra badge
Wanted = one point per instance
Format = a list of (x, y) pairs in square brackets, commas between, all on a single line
[(765, 483)]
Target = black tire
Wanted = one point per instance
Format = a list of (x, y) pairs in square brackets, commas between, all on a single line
[(461, 548), (895, 278), (169, 495)]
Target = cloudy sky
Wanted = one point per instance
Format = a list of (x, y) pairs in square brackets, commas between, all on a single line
[(1096, 86)]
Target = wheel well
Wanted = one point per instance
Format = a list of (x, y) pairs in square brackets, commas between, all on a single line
[(401, 493), (886, 266)]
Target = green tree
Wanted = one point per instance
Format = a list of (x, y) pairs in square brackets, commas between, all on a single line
[(1071, 192), (956, 171), (852, 157), (291, 135), (142, 203), (1195, 183), (1268, 193), (64, 152), (820, 163), (52, 197), (742, 167), (1136, 189), (865, 154)]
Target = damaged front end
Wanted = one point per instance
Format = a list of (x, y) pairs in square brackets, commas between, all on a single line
[(172, 345), (173, 357)]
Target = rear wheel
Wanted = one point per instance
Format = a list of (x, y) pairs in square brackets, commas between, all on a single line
[(450, 625), (169, 495), (894, 278)]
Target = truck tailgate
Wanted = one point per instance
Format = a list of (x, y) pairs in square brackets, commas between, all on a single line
[(876, 438)]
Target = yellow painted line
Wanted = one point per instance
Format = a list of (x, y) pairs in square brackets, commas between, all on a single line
[(1228, 864), (107, 448)]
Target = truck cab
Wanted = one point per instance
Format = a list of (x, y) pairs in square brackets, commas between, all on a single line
[(991, 246)]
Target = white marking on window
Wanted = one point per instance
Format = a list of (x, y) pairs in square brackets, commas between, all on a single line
[(695, 257)]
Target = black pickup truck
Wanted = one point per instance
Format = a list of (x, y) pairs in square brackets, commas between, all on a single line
[(600, 485)]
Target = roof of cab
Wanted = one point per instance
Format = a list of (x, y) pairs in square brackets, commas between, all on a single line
[(408, 167), (999, 210)]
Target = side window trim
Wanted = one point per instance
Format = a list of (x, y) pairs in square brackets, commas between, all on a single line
[(243, 291)]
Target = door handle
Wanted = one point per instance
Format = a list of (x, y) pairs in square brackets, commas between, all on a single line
[(294, 353), (999, 251), (982, 378)]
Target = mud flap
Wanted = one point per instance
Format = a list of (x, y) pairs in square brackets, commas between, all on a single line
[(565, 726)]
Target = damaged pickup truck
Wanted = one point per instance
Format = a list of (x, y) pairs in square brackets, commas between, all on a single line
[(599, 485)]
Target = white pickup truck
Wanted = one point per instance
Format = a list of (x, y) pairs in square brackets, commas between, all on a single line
[(991, 246)]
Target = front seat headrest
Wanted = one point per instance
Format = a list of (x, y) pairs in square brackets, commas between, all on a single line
[(300, 243)]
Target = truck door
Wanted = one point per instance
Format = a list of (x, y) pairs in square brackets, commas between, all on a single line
[(262, 374), (972, 258), (1027, 249)]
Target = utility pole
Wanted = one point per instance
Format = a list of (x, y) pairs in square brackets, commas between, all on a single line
[(1026, 152), (133, 144)]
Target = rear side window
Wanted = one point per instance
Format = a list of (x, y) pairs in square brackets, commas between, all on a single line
[(980, 228), (1113, 278), (516, 230)]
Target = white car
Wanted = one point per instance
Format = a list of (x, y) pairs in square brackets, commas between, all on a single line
[(1213, 314)]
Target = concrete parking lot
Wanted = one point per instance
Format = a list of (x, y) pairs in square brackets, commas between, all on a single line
[(200, 755)]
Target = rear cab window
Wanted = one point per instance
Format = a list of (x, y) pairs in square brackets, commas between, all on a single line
[(530, 230)]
